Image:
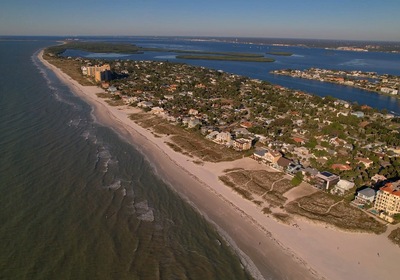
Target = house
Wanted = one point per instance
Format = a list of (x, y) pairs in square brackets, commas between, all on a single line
[(341, 167), (309, 173), (241, 131), (223, 137), (342, 187), (293, 168), (112, 89), (388, 200), (378, 178), (259, 154), (325, 180), (212, 135), (272, 156), (84, 70), (358, 114), (242, 144), (366, 195), (193, 112), (365, 161), (157, 110), (389, 90), (169, 97), (193, 122), (246, 124), (145, 104), (282, 163), (299, 140), (336, 141)]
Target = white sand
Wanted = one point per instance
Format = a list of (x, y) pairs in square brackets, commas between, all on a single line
[(268, 248)]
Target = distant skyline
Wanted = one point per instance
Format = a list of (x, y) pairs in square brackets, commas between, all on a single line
[(311, 19)]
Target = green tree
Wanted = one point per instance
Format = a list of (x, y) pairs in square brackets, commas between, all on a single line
[(297, 179)]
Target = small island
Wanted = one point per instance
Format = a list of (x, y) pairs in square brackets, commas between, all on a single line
[(227, 58), (121, 48), (280, 53)]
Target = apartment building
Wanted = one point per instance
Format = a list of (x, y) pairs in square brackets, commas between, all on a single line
[(99, 73), (388, 198)]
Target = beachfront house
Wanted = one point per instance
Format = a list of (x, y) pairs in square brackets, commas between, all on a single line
[(342, 187), (282, 163), (326, 180), (259, 154), (293, 168), (223, 137), (366, 195), (242, 144)]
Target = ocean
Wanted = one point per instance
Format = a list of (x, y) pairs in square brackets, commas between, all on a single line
[(77, 201)]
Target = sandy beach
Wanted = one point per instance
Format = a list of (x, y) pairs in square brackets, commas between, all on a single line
[(269, 249)]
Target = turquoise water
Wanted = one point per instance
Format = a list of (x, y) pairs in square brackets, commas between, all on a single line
[(77, 202)]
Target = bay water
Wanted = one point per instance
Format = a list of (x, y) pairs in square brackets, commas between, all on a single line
[(302, 58)]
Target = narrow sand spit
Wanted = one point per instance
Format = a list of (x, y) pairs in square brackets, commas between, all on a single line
[(269, 250)]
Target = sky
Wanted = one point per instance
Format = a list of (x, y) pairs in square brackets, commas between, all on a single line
[(312, 19)]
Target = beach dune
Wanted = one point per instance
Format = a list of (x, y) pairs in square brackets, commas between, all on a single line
[(267, 248)]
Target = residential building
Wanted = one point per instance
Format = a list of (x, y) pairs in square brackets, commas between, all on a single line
[(259, 154), (342, 187), (365, 161), (282, 163), (388, 198), (242, 144), (193, 122), (293, 168), (223, 137), (99, 73), (358, 114), (325, 180), (341, 167), (309, 173), (389, 90), (366, 195), (378, 178), (272, 156)]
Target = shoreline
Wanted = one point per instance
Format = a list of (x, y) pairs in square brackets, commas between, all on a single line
[(340, 84), (263, 244)]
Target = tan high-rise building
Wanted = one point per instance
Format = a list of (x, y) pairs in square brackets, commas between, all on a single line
[(388, 198), (99, 73)]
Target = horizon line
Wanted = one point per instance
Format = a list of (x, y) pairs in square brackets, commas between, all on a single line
[(205, 36)]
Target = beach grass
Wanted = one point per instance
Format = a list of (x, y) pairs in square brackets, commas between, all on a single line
[(394, 236), (260, 183), (185, 141), (70, 67), (323, 208)]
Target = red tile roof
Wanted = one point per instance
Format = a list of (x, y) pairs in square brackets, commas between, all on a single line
[(392, 188)]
